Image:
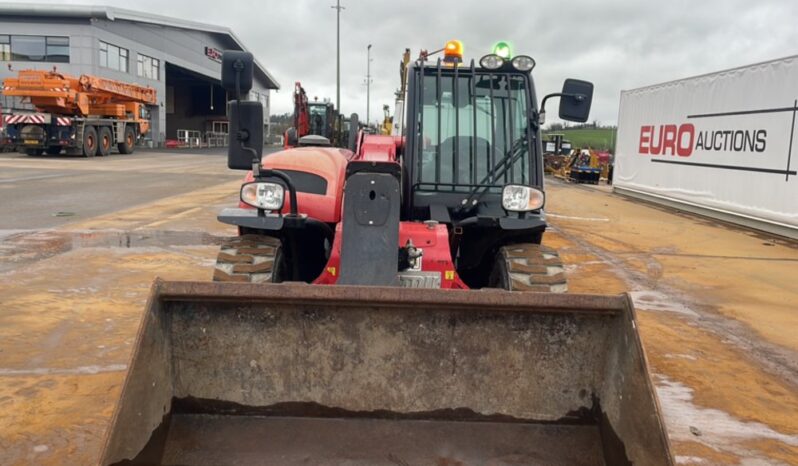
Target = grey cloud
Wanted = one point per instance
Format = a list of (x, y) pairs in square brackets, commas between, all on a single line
[(617, 44)]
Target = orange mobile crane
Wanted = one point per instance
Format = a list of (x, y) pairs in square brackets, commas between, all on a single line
[(86, 115)]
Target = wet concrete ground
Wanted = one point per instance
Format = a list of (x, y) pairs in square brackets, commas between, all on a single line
[(717, 310)]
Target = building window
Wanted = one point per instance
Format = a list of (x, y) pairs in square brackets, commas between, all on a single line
[(57, 49), (34, 48), (149, 67), (5, 48), (113, 57)]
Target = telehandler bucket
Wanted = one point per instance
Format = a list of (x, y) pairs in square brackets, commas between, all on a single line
[(229, 374)]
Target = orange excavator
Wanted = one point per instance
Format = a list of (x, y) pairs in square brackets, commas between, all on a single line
[(85, 115), (313, 119)]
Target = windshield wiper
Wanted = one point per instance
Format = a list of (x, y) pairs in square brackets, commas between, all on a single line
[(500, 169)]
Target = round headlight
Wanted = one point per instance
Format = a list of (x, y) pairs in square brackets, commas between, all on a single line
[(523, 63), (491, 62), (263, 195), (519, 198)]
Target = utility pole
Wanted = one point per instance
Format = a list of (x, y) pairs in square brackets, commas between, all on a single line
[(338, 9), (368, 82)]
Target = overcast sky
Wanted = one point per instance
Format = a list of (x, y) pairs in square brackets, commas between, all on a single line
[(620, 44)]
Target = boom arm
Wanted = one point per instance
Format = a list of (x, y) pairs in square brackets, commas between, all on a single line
[(51, 91), (117, 90), (301, 111)]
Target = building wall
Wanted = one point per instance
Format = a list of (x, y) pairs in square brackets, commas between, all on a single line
[(182, 47)]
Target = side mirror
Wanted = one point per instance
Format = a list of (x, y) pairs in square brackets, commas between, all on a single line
[(246, 131), (237, 71), (246, 118), (575, 100), (354, 126)]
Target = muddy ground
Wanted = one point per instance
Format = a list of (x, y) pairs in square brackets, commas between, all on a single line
[(717, 304)]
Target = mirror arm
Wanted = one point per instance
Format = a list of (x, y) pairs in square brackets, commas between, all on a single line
[(577, 97), (542, 112)]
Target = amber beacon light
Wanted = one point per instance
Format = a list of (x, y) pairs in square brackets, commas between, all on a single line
[(453, 51)]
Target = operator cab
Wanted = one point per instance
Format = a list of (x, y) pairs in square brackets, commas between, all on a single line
[(477, 135), (321, 118)]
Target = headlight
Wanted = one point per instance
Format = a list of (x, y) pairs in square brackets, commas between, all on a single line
[(523, 63), (266, 196), (519, 198), (491, 62)]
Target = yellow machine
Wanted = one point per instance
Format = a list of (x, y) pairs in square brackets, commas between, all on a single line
[(387, 121)]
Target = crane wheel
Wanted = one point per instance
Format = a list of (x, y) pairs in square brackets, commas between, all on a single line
[(528, 267), (129, 143), (104, 141), (248, 259), (89, 141)]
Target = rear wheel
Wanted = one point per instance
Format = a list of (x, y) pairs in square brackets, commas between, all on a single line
[(129, 143), (104, 141), (33, 152), (528, 267), (248, 259), (53, 150), (89, 141)]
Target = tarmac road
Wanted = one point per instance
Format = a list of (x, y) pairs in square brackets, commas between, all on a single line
[(716, 304), (45, 192)]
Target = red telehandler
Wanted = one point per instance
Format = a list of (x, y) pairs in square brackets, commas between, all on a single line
[(344, 328)]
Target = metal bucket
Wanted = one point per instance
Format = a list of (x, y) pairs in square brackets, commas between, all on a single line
[(226, 373)]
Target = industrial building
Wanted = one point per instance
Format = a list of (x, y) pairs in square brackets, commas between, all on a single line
[(180, 59)]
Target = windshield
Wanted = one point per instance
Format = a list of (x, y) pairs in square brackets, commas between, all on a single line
[(471, 128), (318, 119)]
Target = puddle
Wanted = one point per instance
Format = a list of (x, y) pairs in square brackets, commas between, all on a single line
[(583, 219), (69, 371), (689, 460), (718, 428), (18, 248), (659, 302)]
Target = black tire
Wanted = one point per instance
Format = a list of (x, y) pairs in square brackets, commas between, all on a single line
[(128, 145), (89, 141), (528, 267), (248, 259), (105, 139), (53, 150), (34, 152)]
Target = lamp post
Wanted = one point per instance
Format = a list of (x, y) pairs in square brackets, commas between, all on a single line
[(368, 83), (338, 9)]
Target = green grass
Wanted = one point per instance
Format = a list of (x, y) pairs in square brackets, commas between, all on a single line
[(595, 138)]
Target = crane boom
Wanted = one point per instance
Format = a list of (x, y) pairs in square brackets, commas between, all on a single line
[(51, 91), (118, 90)]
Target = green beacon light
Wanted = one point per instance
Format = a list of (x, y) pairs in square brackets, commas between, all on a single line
[(503, 50)]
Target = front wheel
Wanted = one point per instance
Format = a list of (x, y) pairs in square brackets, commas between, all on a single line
[(248, 259), (528, 267), (129, 143)]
